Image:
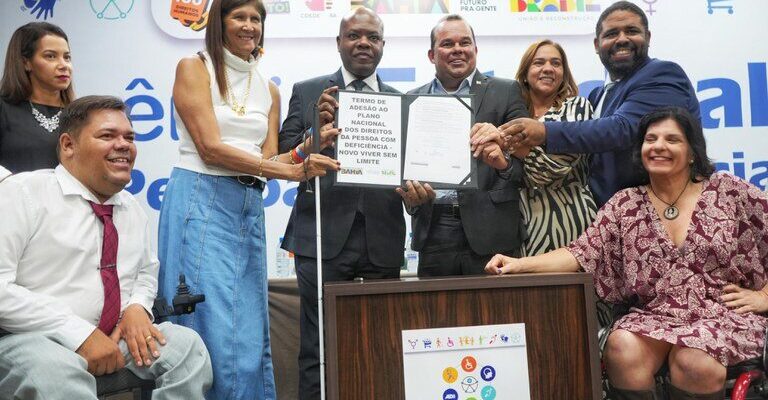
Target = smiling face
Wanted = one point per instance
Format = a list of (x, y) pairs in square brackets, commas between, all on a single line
[(665, 152), (454, 53), (545, 74), (622, 43), (361, 43), (50, 67), (102, 154), (242, 30)]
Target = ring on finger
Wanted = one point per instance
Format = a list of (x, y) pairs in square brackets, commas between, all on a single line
[(149, 338)]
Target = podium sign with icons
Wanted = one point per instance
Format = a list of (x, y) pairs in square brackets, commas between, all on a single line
[(466, 363)]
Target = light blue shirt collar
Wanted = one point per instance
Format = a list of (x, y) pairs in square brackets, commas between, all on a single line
[(466, 84)]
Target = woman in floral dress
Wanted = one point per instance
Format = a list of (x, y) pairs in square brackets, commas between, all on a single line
[(688, 251)]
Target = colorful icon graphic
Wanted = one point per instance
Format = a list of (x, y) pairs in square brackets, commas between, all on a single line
[(487, 373), (450, 394), (450, 375), (468, 363), (319, 5), (191, 13), (469, 384), (39, 8), (111, 9), (488, 393)]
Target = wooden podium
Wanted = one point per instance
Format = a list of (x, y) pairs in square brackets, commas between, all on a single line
[(364, 321)]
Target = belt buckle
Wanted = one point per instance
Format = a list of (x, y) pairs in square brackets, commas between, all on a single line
[(247, 180), (455, 211)]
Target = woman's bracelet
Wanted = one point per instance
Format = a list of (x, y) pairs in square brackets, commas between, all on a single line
[(261, 165), (300, 153)]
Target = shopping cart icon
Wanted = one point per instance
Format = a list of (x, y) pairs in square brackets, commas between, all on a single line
[(712, 6)]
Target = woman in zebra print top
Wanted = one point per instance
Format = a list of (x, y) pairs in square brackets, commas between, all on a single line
[(557, 205)]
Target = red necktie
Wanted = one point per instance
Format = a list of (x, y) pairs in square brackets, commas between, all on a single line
[(108, 267)]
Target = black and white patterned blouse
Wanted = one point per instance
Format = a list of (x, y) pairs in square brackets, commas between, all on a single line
[(556, 204)]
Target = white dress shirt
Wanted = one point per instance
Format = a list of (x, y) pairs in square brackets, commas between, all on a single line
[(607, 87), (4, 173), (371, 82), (50, 251)]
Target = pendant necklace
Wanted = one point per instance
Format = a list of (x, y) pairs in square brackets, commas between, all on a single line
[(49, 124), (238, 107), (671, 212)]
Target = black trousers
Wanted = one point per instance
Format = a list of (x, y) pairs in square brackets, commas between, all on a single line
[(446, 251), (351, 263)]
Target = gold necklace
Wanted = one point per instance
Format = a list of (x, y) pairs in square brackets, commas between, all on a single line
[(237, 107)]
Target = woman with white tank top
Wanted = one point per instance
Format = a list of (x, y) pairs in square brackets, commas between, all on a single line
[(212, 217)]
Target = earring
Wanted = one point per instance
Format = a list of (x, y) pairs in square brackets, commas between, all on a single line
[(690, 161)]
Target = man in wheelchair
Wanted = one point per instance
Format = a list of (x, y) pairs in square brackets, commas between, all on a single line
[(78, 277)]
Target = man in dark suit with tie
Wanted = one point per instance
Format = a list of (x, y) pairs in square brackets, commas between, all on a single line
[(457, 232), (363, 230), (637, 85)]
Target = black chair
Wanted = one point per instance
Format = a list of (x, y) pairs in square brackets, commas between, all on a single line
[(124, 381), (744, 381)]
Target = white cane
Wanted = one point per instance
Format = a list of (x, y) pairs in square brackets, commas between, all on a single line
[(320, 313), (319, 256)]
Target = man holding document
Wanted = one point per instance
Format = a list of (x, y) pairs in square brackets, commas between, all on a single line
[(457, 232), (363, 229)]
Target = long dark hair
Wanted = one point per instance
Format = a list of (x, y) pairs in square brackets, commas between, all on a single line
[(702, 166), (16, 86), (214, 35)]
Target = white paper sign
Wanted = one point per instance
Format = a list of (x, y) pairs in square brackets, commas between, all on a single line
[(486, 362), (368, 146), (438, 140)]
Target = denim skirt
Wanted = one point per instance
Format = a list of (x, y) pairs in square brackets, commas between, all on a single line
[(212, 230)]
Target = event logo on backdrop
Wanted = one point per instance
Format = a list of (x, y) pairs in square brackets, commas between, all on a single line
[(39, 8), (536, 6), (277, 7), (185, 19), (192, 14), (111, 9), (406, 6)]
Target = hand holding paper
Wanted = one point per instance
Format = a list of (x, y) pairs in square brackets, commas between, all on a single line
[(327, 105), (415, 194)]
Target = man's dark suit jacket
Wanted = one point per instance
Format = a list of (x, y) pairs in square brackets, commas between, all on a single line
[(490, 215), (382, 208), (613, 136)]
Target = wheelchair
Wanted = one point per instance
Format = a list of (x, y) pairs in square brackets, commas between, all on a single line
[(124, 381), (744, 381)]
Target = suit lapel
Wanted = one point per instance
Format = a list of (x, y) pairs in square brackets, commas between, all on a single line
[(478, 88), (336, 79)]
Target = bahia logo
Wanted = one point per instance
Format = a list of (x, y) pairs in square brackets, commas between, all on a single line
[(111, 9), (535, 6), (39, 8)]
